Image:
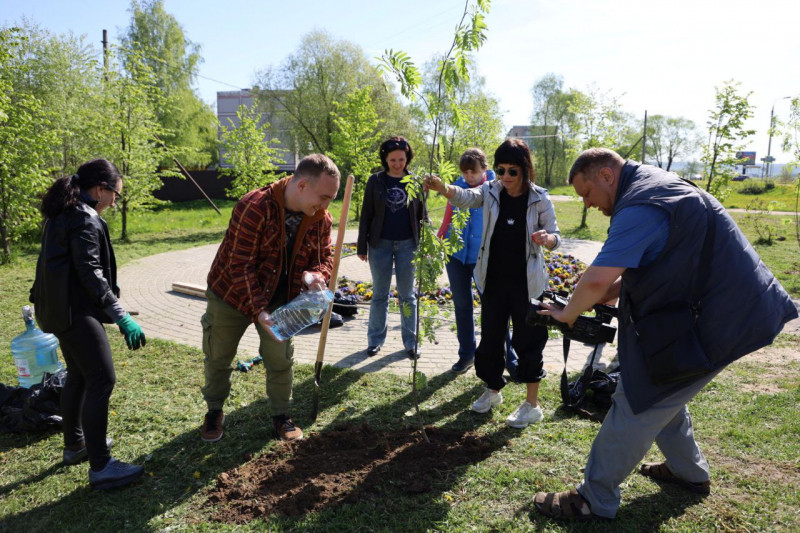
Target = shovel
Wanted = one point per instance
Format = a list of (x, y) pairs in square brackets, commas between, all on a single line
[(337, 254)]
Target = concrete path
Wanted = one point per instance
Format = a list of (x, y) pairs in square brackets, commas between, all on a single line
[(147, 288)]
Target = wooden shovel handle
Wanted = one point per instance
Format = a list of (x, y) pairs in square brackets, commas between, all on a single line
[(337, 254)]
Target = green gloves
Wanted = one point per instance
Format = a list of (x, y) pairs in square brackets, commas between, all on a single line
[(134, 336)]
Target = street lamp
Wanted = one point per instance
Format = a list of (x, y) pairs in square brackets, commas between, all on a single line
[(768, 159)]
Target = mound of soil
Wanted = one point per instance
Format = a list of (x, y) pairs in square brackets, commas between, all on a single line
[(344, 465)]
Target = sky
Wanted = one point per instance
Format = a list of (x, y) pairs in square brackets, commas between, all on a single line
[(663, 57)]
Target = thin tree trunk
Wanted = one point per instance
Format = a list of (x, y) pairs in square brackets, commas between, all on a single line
[(4, 238)]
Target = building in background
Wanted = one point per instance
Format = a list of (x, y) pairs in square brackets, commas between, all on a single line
[(228, 103)]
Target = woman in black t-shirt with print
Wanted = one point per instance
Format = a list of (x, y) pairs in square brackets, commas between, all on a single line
[(388, 236)]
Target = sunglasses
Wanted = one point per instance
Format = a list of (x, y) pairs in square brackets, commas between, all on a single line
[(395, 145), (117, 196), (501, 171)]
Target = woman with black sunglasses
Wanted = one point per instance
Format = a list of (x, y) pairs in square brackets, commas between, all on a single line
[(75, 292), (388, 236), (519, 219)]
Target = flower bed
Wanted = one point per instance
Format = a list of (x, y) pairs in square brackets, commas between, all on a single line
[(565, 271)]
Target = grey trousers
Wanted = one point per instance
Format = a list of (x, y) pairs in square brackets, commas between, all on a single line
[(625, 438), (223, 327)]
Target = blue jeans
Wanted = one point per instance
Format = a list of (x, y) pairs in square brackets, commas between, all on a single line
[(460, 276), (381, 259)]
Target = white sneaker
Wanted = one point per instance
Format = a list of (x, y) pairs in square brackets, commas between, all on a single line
[(524, 415), (488, 399)]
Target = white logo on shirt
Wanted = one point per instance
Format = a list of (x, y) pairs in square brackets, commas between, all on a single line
[(396, 199), (510, 221)]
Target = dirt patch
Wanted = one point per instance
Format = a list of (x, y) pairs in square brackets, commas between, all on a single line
[(772, 363), (344, 465)]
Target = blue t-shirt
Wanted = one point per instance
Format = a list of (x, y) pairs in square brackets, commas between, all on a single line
[(397, 220), (636, 237)]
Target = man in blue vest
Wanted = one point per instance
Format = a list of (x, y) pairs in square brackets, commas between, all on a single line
[(651, 259)]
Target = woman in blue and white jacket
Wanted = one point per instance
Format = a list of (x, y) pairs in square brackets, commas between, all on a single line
[(519, 219), (460, 265)]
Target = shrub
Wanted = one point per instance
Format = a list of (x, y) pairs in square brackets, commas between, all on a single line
[(753, 187)]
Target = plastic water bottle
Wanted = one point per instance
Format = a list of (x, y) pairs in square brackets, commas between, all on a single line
[(35, 352), (305, 310)]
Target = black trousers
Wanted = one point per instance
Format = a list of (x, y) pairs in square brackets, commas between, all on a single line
[(90, 380), (499, 301)]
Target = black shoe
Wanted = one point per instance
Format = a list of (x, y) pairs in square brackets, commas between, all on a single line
[(373, 350), (115, 474), (74, 457), (412, 354), (462, 365)]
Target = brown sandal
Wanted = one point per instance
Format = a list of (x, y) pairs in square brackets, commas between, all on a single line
[(661, 472), (564, 506)]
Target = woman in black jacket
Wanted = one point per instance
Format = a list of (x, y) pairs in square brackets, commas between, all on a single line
[(75, 293), (388, 236)]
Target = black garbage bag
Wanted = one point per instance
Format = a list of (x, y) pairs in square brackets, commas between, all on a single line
[(335, 322), (345, 305), (32, 410)]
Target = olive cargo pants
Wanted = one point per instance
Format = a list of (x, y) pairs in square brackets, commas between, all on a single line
[(223, 327)]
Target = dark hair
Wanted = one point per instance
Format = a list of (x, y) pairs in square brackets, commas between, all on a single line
[(515, 152), (473, 159), (64, 192), (396, 143), (313, 166), (593, 159)]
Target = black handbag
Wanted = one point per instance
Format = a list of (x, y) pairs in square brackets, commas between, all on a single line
[(668, 336)]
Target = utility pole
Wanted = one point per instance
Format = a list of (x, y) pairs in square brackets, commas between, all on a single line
[(644, 137), (105, 55)]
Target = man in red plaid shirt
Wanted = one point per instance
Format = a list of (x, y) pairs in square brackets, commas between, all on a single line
[(276, 235)]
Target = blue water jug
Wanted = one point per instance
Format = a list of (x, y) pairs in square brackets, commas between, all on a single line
[(305, 310), (35, 352)]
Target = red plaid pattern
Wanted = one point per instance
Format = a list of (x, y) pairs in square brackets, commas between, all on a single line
[(247, 266)]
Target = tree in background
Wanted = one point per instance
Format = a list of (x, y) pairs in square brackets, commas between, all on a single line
[(791, 143), (61, 72), (726, 136), (471, 119), (324, 70), (551, 118), (669, 138), (251, 155), (595, 120), (188, 125), (131, 130), (691, 169), (356, 140), (25, 141)]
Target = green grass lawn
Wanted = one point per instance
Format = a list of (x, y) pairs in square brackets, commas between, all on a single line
[(780, 198), (747, 422)]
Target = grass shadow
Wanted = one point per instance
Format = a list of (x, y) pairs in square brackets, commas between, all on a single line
[(174, 473), (9, 441)]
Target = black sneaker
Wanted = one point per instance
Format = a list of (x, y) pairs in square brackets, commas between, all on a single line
[(462, 365), (413, 354), (73, 457), (115, 474), (373, 350)]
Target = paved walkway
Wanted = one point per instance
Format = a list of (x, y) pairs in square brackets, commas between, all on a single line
[(147, 288)]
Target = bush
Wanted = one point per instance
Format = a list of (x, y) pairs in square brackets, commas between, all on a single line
[(753, 187)]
